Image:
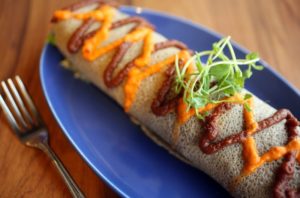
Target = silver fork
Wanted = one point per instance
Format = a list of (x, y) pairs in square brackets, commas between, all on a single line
[(28, 126)]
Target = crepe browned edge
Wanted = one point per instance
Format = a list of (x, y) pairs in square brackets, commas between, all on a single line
[(224, 165)]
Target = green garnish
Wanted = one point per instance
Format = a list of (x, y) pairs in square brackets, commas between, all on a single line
[(247, 96), (220, 76), (51, 39), (247, 107)]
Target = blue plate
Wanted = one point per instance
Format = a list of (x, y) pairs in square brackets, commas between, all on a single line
[(116, 149)]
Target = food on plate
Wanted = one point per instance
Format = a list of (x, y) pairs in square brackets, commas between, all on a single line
[(192, 103)]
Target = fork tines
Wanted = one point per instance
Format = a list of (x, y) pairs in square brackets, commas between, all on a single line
[(18, 107)]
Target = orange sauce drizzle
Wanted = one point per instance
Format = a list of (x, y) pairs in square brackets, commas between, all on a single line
[(134, 36), (91, 51), (148, 47), (254, 161), (66, 14), (137, 74), (184, 115), (298, 157), (90, 45), (250, 123)]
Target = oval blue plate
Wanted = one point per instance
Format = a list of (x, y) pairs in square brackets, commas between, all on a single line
[(116, 149)]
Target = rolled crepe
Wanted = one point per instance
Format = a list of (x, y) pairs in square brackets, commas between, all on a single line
[(226, 164)]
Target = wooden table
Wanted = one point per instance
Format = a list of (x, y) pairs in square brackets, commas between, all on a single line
[(271, 27)]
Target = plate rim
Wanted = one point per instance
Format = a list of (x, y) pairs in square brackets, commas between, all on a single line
[(159, 14)]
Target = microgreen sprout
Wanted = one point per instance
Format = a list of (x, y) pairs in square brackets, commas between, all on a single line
[(222, 75), (51, 38)]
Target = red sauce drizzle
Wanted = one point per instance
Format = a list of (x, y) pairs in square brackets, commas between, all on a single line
[(284, 173), (160, 106), (206, 141), (81, 4), (111, 81), (77, 39)]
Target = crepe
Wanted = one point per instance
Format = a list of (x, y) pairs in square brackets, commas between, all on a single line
[(225, 165)]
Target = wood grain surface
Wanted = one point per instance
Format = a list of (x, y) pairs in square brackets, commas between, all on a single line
[(270, 27)]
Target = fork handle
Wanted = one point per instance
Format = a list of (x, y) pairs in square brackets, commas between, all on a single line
[(74, 189)]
